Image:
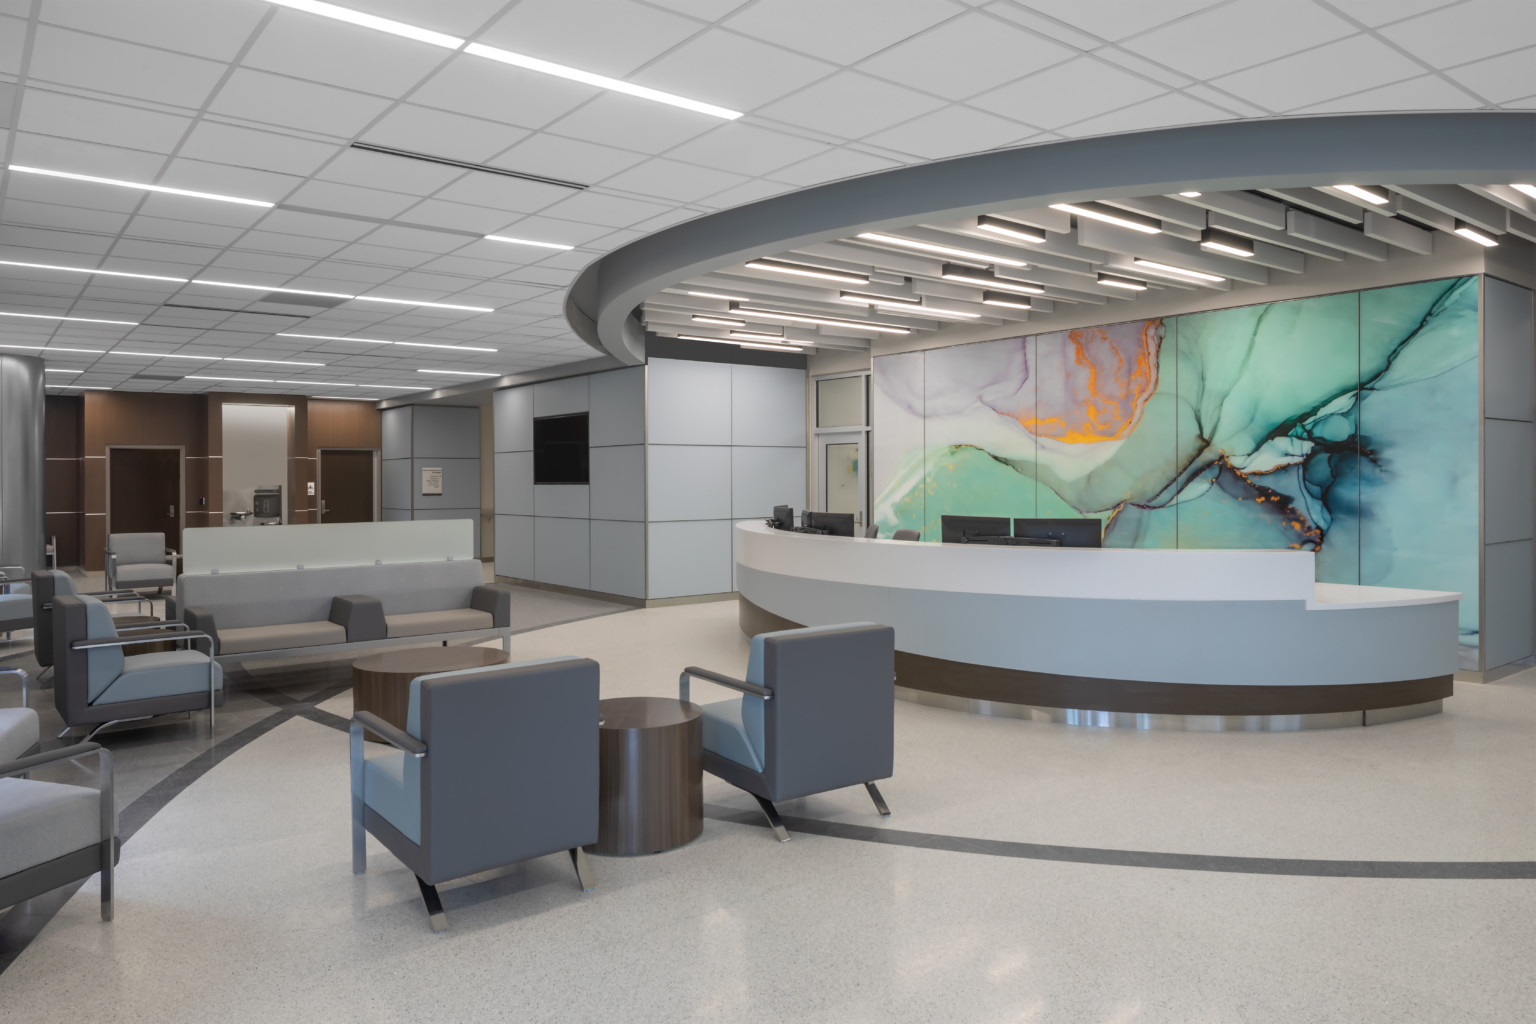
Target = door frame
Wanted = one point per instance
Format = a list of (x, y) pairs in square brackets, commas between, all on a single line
[(822, 436), (181, 484), (320, 482)]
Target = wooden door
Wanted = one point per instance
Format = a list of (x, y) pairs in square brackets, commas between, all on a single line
[(145, 494), (346, 486)]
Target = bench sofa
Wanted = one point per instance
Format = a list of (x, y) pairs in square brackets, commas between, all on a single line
[(294, 611)]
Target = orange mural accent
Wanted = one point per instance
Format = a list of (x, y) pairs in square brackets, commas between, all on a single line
[(1108, 381)]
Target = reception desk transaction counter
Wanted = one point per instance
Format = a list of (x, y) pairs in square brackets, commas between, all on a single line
[(1241, 640)]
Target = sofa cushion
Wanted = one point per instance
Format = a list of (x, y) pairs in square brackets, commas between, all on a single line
[(725, 733), (246, 639), (18, 732), (392, 787), (145, 572), (137, 547), (165, 674), (450, 621), (15, 611), (41, 821)]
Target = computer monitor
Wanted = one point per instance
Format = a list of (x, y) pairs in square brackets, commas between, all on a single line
[(966, 529), (837, 524), (783, 517), (1070, 533)]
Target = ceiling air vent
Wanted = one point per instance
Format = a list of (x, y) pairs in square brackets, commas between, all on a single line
[(464, 165)]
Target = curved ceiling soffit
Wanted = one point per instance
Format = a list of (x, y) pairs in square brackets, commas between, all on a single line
[(1472, 148)]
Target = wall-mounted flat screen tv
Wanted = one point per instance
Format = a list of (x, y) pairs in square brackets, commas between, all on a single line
[(560, 449)]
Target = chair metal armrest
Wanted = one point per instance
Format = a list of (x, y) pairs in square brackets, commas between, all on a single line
[(724, 680), (6, 670), (86, 645), (155, 625), (397, 738)]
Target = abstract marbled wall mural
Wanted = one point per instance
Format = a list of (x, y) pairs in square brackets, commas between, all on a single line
[(1342, 424)]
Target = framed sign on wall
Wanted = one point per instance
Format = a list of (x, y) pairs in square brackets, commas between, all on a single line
[(431, 479)]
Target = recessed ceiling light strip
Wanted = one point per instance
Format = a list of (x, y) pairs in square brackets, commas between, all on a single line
[(242, 380), (73, 319), (380, 341), (1226, 243), (825, 321), (46, 349), (528, 241), (718, 295), (545, 67), (940, 250), (271, 362), (164, 355), (1004, 300), (461, 373), (92, 270), (91, 178), (397, 28)]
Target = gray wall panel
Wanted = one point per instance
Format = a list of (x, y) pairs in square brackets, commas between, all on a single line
[(688, 482), (618, 407), (1507, 351), (395, 515), (513, 414), (1509, 605), (514, 547), (396, 427), (764, 477), (396, 484), (562, 552), (684, 559), (567, 501), (1509, 474), (689, 402), (514, 483), (558, 397), (618, 482), (461, 484), (445, 432), (618, 558), (472, 514), (767, 406)]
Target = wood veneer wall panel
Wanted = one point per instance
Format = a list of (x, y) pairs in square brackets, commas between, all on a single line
[(343, 425), (64, 484)]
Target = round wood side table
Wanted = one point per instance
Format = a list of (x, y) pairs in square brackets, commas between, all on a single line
[(381, 683), (651, 775)]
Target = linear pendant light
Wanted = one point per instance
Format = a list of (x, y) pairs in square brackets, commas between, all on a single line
[(941, 250), (1112, 281), (1163, 268), (803, 270), (1370, 195), (1226, 243), (1475, 234), (1005, 300), (1009, 229), (970, 275), (812, 318), (741, 344), (905, 307), (1529, 190), (1111, 215)]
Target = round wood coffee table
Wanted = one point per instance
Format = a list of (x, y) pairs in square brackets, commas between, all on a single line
[(651, 775), (381, 683)]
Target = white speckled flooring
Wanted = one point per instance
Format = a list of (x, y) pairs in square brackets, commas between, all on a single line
[(236, 901)]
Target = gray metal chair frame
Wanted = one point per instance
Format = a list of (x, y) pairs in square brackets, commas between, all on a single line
[(803, 732), (101, 856)]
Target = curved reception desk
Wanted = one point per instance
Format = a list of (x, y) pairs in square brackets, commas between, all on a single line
[(1141, 638)]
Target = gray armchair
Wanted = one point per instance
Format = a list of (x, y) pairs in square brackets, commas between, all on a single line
[(817, 713), (15, 599), (495, 766), (140, 560), (96, 682), (19, 729), (907, 535), (50, 583), (52, 834)]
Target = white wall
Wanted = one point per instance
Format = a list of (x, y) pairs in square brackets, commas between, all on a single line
[(255, 454), (724, 443)]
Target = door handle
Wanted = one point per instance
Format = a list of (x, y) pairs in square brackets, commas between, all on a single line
[(322, 506), (170, 513)]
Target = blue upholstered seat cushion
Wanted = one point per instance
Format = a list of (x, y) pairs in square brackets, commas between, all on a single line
[(18, 732), (41, 821), (727, 735), (392, 787), (145, 572), (164, 674)]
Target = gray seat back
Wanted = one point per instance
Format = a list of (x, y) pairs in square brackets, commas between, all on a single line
[(831, 721), (79, 676), (46, 585), (137, 548), (907, 535), (511, 765), (240, 599)]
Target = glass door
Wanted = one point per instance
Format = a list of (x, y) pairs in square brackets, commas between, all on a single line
[(842, 446)]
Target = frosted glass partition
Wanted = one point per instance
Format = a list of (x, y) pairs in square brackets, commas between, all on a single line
[(224, 549)]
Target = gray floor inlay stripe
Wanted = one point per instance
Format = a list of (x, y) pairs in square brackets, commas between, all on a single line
[(1509, 869)]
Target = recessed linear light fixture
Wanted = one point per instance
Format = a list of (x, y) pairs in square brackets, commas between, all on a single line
[(74, 319), (451, 348), (802, 270), (269, 362), (907, 307), (1227, 243), (754, 312), (80, 387), (1009, 229), (397, 28), (465, 165), (339, 295), (1005, 300), (1111, 281), (1163, 268), (242, 380), (1529, 190), (46, 349), (528, 241), (1111, 215), (1475, 234), (461, 373), (1191, 195), (741, 344), (92, 270), (395, 387), (165, 355), (1370, 195), (941, 250), (380, 341), (757, 336), (342, 398), (720, 321), (970, 275), (316, 383), (870, 299), (718, 295), (91, 178), (55, 369), (334, 337)]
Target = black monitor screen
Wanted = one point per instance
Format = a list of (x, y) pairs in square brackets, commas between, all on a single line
[(1071, 533), (961, 529), (783, 517), (560, 449), (838, 524)]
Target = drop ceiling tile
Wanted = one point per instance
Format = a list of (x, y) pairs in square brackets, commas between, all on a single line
[(551, 156), (1525, 103), (1141, 66), (325, 195), (110, 124), (196, 232), (314, 225), (1067, 93), (53, 153), (441, 133), (1500, 79), (156, 204), (265, 266), (731, 70), (746, 149), (1430, 92), (831, 166), (1336, 69), (251, 147), (215, 31), (1380, 12), (669, 179), (1160, 112), (850, 105), (54, 192), (68, 218), (632, 123), (46, 243), (465, 266), (1117, 19), (965, 56), (544, 228), (223, 179), (66, 57), (435, 213), (615, 42), (1225, 101), (300, 45), (391, 173), (1239, 35), (346, 277), (431, 242), (1447, 37), (951, 132), (500, 92), (748, 192), (13, 33), (499, 192), (546, 275), (289, 245), (286, 102), (844, 32)]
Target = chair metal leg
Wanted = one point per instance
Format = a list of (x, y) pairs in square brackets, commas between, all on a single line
[(107, 852), (435, 913), (774, 821), (874, 794), (116, 721), (359, 839), (64, 732), (583, 869)]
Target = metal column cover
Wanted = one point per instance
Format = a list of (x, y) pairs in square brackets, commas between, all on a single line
[(21, 461)]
